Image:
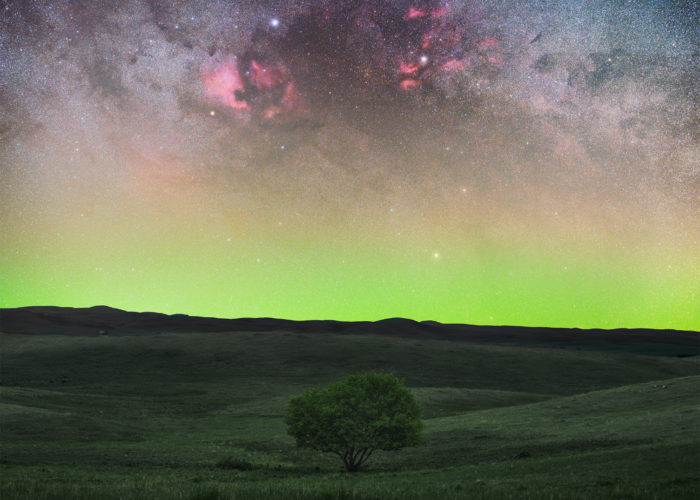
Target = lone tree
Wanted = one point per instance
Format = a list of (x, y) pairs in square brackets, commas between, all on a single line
[(355, 416)]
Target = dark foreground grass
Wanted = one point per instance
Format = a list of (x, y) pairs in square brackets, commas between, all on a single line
[(200, 416)]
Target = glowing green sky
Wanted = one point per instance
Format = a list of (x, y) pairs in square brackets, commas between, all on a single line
[(513, 192), (267, 271)]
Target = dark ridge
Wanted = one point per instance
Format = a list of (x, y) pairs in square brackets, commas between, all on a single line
[(103, 320)]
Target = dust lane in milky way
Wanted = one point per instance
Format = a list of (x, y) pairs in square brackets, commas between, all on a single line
[(530, 163)]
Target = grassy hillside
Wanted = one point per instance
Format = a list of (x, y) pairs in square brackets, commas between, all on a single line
[(200, 416)]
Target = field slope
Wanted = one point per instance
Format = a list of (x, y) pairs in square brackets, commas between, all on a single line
[(199, 415)]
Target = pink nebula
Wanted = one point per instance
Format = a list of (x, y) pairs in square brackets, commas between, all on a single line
[(408, 69), (415, 13), (409, 84), (264, 76), (453, 65), (222, 82)]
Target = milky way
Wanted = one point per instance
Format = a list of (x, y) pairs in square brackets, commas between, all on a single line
[(529, 163)]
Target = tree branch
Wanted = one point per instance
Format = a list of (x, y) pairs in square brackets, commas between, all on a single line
[(366, 453)]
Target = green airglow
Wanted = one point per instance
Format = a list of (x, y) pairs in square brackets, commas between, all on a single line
[(288, 276)]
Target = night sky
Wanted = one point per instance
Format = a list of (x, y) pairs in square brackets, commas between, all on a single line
[(499, 162)]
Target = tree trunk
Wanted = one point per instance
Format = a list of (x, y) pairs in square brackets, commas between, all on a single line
[(353, 459)]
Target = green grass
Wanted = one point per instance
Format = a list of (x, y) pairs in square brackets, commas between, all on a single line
[(200, 416)]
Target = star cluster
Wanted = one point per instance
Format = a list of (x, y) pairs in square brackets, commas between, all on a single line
[(531, 163)]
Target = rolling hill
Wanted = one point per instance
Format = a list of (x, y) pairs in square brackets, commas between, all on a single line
[(154, 408)]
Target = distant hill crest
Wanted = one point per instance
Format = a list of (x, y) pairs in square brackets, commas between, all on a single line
[(105, 320)]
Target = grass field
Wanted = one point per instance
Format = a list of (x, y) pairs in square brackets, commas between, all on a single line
[(199, 416)]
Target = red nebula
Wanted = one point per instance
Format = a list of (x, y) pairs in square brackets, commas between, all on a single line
[(266, 90), (223, 82), (443, 35), (439, 12), (453, 65), (265, 76), (290, 99), (409, 84), (426, 40), (415, 13), (490, 47), (487, 43), (408, 69), (288, 109)]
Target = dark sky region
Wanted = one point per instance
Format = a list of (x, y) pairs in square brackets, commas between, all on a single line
[(487, 162)]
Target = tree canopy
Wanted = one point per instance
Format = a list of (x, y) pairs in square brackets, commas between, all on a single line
[(356, 416)]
